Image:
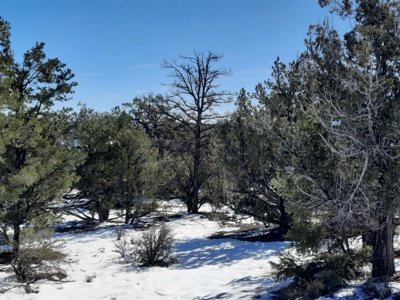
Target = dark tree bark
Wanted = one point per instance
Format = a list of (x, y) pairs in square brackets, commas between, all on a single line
[(285, 218), (16, 240), (128, 208), (103, 213), (383, 252)]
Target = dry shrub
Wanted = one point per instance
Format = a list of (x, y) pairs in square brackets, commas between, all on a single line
[(154, 247), (39, 256), (123, 246)]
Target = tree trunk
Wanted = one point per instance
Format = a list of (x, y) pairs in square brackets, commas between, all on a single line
[(16, 240), (188, 203), (367, 239), (196, 171), (17, 233), (127, 212), (382, 245), (103, 214), (285, 219)]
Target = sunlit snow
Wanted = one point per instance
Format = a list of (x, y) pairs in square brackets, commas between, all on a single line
[(208, 269)]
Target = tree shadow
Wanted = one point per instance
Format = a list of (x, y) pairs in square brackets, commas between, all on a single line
[(248, 287), (195, 253), (98, 233)]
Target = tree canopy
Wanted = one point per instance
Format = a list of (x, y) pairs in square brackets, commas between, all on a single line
[(38, 155)]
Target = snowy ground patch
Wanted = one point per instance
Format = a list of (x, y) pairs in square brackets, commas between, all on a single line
[(209, 268)]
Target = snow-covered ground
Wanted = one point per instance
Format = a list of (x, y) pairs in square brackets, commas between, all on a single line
[(208, 269)]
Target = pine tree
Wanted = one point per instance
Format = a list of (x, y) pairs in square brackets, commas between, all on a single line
[(38, 159)]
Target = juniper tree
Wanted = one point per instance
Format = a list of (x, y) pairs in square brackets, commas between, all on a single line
[(350, 90), (148, 116), (121, 168), (94, 132), (251, 160)]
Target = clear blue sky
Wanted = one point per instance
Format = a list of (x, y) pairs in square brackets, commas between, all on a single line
[(115, 47)]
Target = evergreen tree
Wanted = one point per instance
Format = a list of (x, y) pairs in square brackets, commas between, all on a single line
[(344, 170), (249, 157), (38, 159), (157, 125), (6, 74), (121, 168)]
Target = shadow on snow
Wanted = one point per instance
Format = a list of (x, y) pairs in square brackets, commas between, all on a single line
[(202, 252)]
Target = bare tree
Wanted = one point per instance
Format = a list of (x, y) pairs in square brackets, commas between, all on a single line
[(194, 94)]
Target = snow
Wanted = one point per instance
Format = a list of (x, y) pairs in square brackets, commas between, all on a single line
[(208, 269)]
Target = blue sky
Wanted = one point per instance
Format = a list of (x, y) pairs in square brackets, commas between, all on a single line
[(115, 47)]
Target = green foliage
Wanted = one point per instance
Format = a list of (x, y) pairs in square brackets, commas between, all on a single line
[(307, 230), (38, 156), (250, 161), (39, 256), (322, 272), (6, 74), (174, 143), (335, 112), (121, 168), (158, 126)]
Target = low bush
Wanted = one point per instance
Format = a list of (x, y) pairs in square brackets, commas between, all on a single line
[(319, 275), (290, 292), (376, 290), (123, 246), (154, 247), (39, 256)]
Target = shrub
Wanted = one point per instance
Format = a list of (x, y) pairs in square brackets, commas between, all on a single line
[(290, 292), (324, 273), (154, 247), (39, 256), (376, 290), (123, 246), (120, 233)]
